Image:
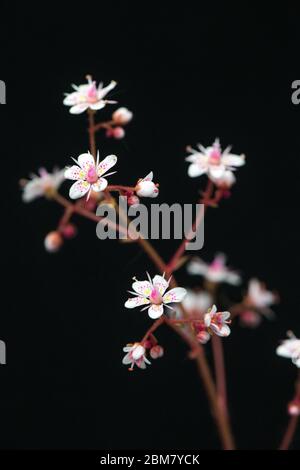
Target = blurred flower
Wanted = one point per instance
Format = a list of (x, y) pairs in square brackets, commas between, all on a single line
[(146, 188), (135, 355), (216, 271), (53, 241), (88, 96), (153, 292), (122, 116), (42, 185), (197, 303), (88, 174), (258, 296), (217, 321), (290, 348), (250, 318), (212, 161), (156, 351)]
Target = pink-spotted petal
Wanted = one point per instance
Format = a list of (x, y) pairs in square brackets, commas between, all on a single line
[(155, 311), (136, 302), (149, 177), (79, 189), (160, 284), (106, 164), (86, 161), (74, 173), (142, 287), (100, 185), (174, 295)]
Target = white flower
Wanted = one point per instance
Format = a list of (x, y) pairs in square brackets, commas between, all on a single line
[(122, 116), (146, 188), (135, 355), (290, 348), (197, 303), (258, 296), (42, 184), (88, 174), (212, 161), (88, 96), (216, 271), (217, 321), (153, 293)]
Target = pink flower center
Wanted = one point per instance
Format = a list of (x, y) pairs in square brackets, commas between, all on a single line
[(215, 156), (92, 176), (216, 265), (92, 93), (155, 297)]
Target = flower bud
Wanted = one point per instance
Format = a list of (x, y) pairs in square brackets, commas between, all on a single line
[(69, 231), (147, 189), (133, 200), (122, 116), (294, 408), (53, 241), (109, 132), (118, 133), (203, 337), (156, 351)]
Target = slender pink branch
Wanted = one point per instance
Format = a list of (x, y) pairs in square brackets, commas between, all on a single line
[(219, 363), (120, 188), (289, 433)]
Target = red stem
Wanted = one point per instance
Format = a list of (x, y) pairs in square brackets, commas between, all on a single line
[(289, 433)]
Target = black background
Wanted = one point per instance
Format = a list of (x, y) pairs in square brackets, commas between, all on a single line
[(189, 74)]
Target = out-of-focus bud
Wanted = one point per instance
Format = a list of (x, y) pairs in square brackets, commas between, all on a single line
[(147, 189), (250, 319), (118, 132), (69, 231), (133, 200), (156, 351), (53, 241), (203, 337), (109, 132), (122, 116), (294, 407)]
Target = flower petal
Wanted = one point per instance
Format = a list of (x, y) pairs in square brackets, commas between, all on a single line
[(74, 173), (149, 177), (79, 108), (233, 160), (106, 164), (100, 185), (216, 171), (222, 330), (195, 170), (174, 295), (70, 100), (136, 302), (155, 311), (197, 267), (86, 161), (142, 287), (103, 91), (98, 105), (79, 189), (160, 283), (127, 359)]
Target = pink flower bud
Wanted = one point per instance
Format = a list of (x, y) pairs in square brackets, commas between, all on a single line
[(147, 189), (250, 319), (294, 408), (53, 241), (118, 133), (133, 200), (156, 351), (109, 132), (203, 337), (69, 231), (122, 116)]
